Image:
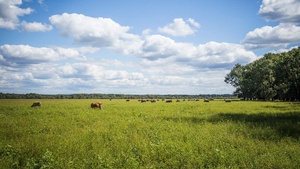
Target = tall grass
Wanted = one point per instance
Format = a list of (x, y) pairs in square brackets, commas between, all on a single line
[(69, 134)]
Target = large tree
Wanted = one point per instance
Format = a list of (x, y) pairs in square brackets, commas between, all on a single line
[(274, 76)]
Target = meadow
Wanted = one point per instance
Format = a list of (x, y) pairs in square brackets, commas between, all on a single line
[(187, 134)]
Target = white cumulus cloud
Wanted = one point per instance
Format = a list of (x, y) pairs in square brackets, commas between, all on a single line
[(287, 11), (83, 29), (10, 11), (161, 49), (278, 36), (36, 27), (24, 55), (179, 27)]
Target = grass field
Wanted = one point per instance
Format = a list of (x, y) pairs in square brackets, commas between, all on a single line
[(69, 134)]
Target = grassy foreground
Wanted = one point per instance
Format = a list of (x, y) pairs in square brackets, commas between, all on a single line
[(69, 134)]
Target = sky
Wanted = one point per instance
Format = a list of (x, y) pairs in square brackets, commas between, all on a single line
[(137, 46)]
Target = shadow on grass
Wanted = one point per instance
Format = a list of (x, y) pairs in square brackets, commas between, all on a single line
[(282, 124), (186, 119), (287, 107)]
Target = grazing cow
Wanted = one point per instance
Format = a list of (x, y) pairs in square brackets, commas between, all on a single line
[(206, 100), (96, 105), (143, 100), (153, 101), (227, 100), (169, 101), (34, 104)]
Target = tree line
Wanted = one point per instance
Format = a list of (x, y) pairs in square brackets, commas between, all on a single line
[(275, 76), (109, 96)]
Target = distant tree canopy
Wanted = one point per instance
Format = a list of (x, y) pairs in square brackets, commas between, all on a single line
[(274, 76), (109, 96)]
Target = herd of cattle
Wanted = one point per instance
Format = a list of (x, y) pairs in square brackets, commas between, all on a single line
[(99, 104), (177, 100)]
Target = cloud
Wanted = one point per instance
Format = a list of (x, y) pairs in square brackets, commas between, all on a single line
[(160, 63), (287, 11), (41, 1), (278, 36), (104, 32), (112, 76), (160, 49), (36, 27), (92, 78), (84, 71), (179, 27), (194, 23), (158, 46), (221, 55), (10, 12), (99, 32), (24, 55)]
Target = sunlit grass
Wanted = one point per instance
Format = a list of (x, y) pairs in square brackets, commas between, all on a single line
[(69, 134)]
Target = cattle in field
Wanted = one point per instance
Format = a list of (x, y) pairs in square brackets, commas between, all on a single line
[(169, 101), (34, 104), (96, 105), (206, 100), (153, 101), (143, 100), (227, 100)]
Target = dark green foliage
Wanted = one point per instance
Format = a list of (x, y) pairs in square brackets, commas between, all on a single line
[(108, 96), (274, 76)]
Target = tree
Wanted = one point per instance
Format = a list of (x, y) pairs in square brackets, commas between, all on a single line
[(274, 76)]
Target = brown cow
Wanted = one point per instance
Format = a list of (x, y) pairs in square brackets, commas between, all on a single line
[(206, 100), (153, 101), (34, 104), (96, 105), (169, 101)]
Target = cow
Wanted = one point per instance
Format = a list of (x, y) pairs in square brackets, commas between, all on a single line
[(96, 105), (143, 100), (153, 101), (169, 101), (34, 104), (206, 100)]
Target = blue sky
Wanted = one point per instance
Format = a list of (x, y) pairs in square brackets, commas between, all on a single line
[(138, 46)]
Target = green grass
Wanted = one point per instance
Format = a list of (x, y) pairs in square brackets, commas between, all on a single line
[(69, 134)]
